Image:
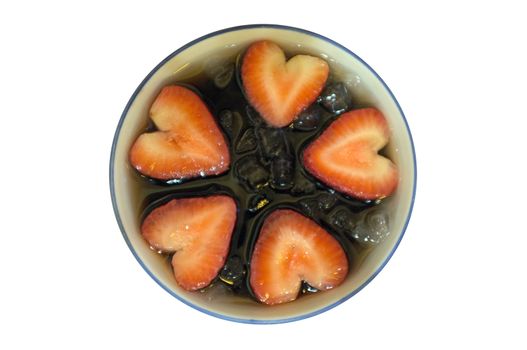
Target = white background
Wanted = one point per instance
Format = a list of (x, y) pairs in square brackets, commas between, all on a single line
[(458, 279)]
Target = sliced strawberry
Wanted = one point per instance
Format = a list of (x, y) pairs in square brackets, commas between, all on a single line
[(292, 248), (345, 155), (199, 231), (277, 89), (188, 143)]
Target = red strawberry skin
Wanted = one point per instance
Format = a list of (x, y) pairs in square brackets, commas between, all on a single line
[(188, 144), (345, 156), (198, 230), (277, 89), (291, 248)]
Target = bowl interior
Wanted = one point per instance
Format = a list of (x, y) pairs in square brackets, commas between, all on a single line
[(191, 60)]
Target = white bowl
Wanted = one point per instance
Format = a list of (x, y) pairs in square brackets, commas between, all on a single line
[(190, 59)]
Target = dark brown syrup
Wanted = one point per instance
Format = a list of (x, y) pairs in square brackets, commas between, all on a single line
[(239, 121)]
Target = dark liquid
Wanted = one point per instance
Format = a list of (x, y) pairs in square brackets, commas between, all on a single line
[(230, 99)]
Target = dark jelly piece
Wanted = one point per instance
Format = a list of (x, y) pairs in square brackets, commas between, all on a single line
[(272, 142), (252, 173), (309, 119), (302, 186), (226, 120), (335, 98), (253, 116), (282, 172), (233, 271), (247, 142)]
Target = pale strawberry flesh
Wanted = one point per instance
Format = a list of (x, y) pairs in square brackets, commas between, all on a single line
[(345, 156), (188, 144), (198, 232), (277, 89), (292, 248)]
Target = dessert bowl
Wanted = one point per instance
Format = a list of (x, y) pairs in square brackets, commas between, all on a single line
[(190, 60)]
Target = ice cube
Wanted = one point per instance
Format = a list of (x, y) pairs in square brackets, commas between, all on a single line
[(373, 228), (252, 173), (343, 220), (223, 75), (217, 292), (327, 200), (335, 98), (311, 207), (219, 70)]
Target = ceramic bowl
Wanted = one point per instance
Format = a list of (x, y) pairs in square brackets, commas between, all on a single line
[(191, 59)]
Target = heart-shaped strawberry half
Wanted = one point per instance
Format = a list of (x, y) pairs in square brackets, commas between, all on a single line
[(290, 249), (277, 89), (188, 142), (345, 156), (198, 230)]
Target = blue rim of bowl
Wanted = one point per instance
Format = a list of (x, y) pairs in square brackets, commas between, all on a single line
[(118, 217)]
